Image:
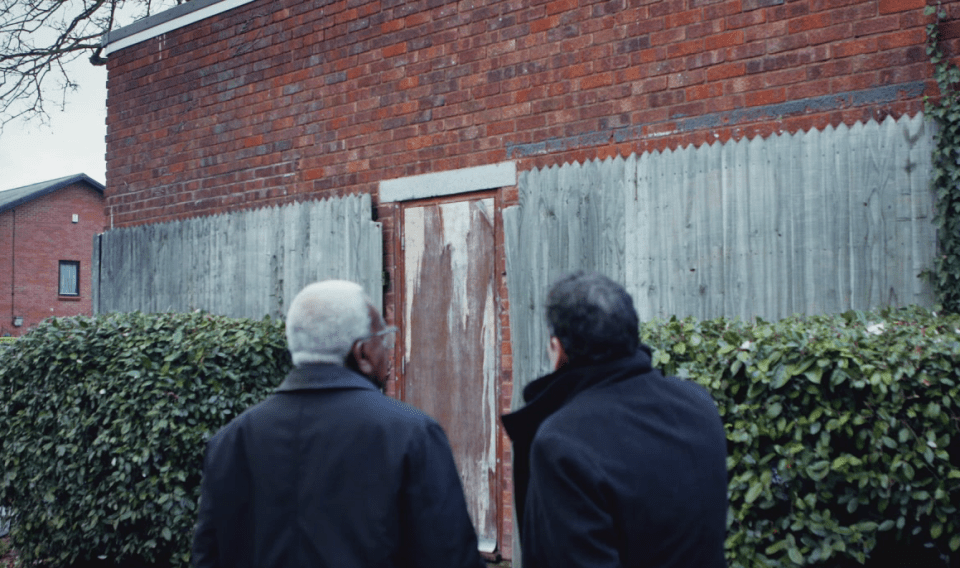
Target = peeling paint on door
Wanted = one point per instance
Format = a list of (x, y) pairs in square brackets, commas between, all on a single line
[(451, 340)]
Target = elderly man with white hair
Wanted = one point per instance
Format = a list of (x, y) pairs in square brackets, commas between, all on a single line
[(328, 471)]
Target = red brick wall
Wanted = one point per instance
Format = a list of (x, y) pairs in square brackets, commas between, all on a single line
[(34, 238), (275, 101), (6, 273)]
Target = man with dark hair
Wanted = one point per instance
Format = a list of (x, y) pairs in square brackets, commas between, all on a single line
[(327, 471), (615, 465)]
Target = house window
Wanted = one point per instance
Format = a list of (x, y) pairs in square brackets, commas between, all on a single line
[(69, 278)]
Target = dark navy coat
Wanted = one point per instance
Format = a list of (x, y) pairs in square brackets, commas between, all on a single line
[(616, 465), (329, 472)]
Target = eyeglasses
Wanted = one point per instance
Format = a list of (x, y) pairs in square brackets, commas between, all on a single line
[(386, 332)]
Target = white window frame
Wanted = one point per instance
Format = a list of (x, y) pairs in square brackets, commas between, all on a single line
[(75, 264)]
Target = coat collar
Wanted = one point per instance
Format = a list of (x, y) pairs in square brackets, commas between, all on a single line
[(548, 394), (323, 376)]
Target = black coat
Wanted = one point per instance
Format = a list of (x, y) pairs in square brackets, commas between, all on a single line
[(616, 465), (329, 472)]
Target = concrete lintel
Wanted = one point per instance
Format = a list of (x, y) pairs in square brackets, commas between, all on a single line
[(451, 182)]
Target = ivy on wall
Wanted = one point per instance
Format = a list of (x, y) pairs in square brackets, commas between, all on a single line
[(946, 165)]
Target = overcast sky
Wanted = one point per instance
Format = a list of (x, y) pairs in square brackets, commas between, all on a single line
[(72, 143)]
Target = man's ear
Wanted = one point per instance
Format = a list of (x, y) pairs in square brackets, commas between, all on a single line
[(361, 357), (558, 356)]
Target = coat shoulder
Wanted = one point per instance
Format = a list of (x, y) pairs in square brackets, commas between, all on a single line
[(396, 410), (633, 408)]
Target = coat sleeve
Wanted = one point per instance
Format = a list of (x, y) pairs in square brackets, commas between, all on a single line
[(566, 521), (224, 488), (204, 550), (435, 526)]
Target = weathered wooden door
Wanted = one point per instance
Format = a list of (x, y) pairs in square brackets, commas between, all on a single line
[(450, 359)]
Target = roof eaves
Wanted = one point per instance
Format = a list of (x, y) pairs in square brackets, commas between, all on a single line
[(175, 18), (25, 194)]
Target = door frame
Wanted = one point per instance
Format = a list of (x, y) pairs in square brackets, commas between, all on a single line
[(500, 312)]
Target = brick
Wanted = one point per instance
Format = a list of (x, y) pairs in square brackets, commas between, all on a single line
[(950, 30), (788, 11), (543, 24), (644, 26), (392, 26), (894, 6), (595, 81), (744, 84), (684, 49), (632, 44), (628, 75), (710, 28), (727, 71), (665, 98), (666, 37), (395, 50), (829, 35), (723, 40), (579, 70), (559, 6), (745, 51), (765, 32), (745, 20), (786, 43), (810, 22), (719, 11), (665, 7), (903, 74), (664, 67), (749, 5), (787, 77), (847, 83), (876, 25), (685, 79), (706, 59), (650, 85), (650, 55), (856, 47), (856, 13), (901, 39), (808, 90), (706, 91), (682, 19)]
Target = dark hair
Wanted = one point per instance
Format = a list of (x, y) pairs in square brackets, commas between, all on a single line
[(593, 317)]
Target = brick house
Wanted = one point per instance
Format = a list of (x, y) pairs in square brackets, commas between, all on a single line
[(221, 105), (46, 231)]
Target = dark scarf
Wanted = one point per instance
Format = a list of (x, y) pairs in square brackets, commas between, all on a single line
[(548, 394)]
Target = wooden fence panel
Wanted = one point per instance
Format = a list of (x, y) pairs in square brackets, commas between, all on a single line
[(570, 216), (244, 264), (812, 222)]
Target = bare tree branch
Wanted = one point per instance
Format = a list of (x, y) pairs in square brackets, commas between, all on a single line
[(39, 37)]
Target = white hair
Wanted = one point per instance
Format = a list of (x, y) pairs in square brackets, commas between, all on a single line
[(324, 321)]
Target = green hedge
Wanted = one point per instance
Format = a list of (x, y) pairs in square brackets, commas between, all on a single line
[(103, 423), (841, 430)]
